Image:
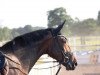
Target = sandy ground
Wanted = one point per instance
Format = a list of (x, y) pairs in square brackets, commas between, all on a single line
[(83, 70)]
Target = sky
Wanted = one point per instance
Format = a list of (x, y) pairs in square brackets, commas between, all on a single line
[(18, 13)]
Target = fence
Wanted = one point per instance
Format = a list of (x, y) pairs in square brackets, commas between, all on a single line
[(85, 43), (87, 64), (42, 68)]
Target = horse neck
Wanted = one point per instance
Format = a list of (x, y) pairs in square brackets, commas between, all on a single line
[(34, 52), (42, 49), (27, 56)]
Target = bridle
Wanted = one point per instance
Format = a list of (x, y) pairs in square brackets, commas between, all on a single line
[(66, 55)]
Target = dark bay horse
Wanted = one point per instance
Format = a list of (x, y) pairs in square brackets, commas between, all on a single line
[(22, 52)]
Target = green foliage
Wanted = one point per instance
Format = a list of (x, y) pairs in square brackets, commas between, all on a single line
[(5, 34), (98, 20), (8, 34), (72, 27), (1, 34), (85, 27), (57, 16), (26, 29), (20, 31), (14, 33)]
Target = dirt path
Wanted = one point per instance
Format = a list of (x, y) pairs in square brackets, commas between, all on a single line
[(83, 70)]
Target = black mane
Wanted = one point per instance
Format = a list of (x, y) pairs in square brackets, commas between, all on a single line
[(26, 39)]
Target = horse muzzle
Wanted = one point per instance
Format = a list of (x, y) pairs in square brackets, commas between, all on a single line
[(70, 65)]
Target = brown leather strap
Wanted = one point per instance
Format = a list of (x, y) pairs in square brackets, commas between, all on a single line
[(15, 63), (18, 69)]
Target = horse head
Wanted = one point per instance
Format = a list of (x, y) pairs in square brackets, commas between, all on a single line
[(60, 50)]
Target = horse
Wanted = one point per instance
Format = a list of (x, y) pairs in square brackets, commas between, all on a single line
[(23, 51)]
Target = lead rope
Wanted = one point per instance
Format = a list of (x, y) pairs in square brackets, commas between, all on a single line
[(58, 69)]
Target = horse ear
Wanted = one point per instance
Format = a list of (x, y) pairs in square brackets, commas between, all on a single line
[(58, 29)]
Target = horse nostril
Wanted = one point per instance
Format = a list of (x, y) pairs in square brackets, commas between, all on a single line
[(76, 64)]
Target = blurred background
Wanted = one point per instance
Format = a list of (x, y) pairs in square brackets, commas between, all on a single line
[(82, 29)]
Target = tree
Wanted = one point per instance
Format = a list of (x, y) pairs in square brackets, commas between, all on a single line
[(20, 31), (83, 28), (6, 33), (1, 34), (57, 16), (14, 33), (98, 20), (28, 28)]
